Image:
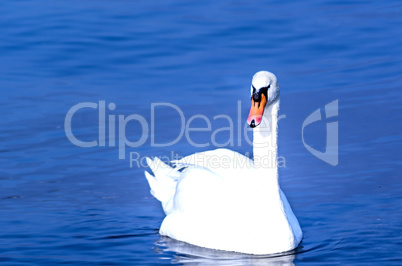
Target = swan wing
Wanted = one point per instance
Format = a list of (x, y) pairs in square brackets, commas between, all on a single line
[(163, 182)]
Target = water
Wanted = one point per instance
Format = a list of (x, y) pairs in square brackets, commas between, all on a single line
[(65, 204)]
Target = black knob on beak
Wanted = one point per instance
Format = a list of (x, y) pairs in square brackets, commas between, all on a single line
[(256, 97)]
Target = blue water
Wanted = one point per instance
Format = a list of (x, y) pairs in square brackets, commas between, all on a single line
[(66, 204)]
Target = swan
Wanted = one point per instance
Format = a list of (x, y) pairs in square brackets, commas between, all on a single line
[(220, 199)]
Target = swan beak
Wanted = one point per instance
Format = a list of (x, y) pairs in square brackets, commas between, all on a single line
[(256, 111)]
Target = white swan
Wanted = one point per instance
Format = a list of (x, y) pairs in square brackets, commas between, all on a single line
[(222, 199)]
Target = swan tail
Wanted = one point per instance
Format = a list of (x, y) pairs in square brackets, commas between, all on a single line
[(163, 182)]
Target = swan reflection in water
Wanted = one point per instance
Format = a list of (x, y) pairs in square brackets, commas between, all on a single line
[(195, 255)]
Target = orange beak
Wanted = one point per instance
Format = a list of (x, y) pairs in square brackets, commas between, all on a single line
[(256, 111)]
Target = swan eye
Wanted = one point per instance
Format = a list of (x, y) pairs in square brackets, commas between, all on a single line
[(265, 89)]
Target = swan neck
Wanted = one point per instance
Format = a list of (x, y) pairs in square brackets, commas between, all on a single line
[(265, 138)]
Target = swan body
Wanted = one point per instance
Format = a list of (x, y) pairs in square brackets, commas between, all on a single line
[(222, 200)]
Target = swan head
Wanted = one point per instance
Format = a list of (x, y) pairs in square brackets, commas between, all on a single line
[(264, 91)]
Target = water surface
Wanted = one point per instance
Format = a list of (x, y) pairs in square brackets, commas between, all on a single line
[(66, 204)]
